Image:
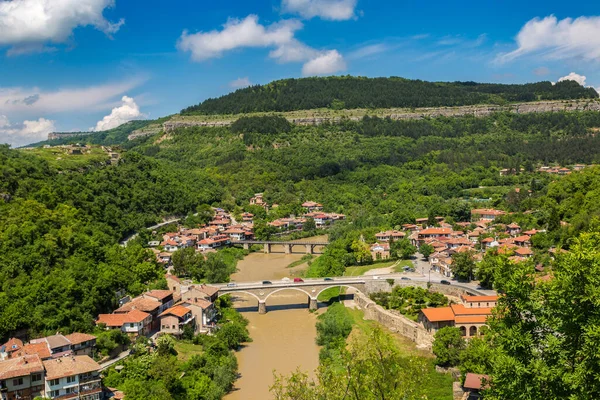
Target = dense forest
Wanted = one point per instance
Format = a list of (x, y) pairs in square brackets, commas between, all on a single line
[(362, 92)]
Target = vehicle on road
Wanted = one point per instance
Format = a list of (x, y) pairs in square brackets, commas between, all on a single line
[(286, 279), (445, 282), (298, 280), (404, 278), (327, 279), (267, 282), (376, 277), (231, 284)]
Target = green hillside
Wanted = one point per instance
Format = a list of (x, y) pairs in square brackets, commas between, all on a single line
[(359, 92)]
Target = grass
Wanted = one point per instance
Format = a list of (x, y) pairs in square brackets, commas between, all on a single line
[(305, 258), (362, 269), (327, 295), (403, 263), (185, 350), (58, 158)]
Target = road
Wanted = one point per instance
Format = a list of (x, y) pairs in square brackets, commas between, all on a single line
[(131, 237), (121, 356), (365, 278)]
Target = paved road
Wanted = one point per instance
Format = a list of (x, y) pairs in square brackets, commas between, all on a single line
[(121, 356)]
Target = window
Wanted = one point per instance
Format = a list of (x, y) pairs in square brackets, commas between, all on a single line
[(70, 379), (54, 393), (54, 382), (36, 377), (70, 390), (131, 325), (17, 382)]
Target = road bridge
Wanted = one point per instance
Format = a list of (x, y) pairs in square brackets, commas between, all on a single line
[(309, 247), (311, 287)]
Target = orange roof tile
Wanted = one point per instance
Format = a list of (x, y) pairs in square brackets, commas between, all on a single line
[(178, 311), (40, 349), (471, 319), (459, 309), (77, 337), (472, 299), (20, 366), (69, 366), (158, 294), (438, 314)]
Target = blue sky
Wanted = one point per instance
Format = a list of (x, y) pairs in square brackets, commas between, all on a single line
[(93, 64)]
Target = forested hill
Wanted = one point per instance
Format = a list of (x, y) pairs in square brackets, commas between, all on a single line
[(361, 92)]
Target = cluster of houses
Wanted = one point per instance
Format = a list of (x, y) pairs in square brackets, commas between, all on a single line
[(446, 241), (53, 367), (170, 311), (558, 170)]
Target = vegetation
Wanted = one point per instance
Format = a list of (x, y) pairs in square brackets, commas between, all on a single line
[(409, 300), (360, 92), (447, 346), (211, 268)]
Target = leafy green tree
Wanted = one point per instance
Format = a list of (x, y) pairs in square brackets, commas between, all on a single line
[(361, 250), (263, 231), (447, 346), (426, 250), (309, 225), (233, 335), (165, 345), (372, 369), (403, 249), (187, 262), (333, 324), (463, 266)]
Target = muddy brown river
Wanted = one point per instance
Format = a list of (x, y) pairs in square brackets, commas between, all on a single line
[(284, 338)]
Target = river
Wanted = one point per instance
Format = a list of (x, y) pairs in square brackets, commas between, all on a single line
[(284, 338)]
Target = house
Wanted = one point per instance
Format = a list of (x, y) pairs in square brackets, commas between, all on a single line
[(148, 305), (220, 223), (174, 283), (164, 297), (513, 229), (210, 293), (173, 320), (58, 344), (135, 322), (468, 317), (170, 245), (204, 313), (523, 252), (206, 244), (432, 233), (248, 218), (387, 235), (235, 234), (164, 258), (311, 206), (22, 378), (73, 377), (39, 349), (486, 214), (474, 384), (10, 347), (258, 200), (434, 319), (380, 251), (523, 241), (479, 301), (81, 343)]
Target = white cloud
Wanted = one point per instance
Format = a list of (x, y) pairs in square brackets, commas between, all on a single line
[(333, 10), (368, 50), (574, 77), (327, 63), (240, 83), (128, 111), (32, 102), (237, 34), (25, 133), (248, 33), (553, 39), (28, 24)]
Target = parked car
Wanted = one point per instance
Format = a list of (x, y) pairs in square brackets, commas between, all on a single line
[(298, 280), (231, 284), (404, 278), (267, 282), (445, 282), (327, 279), (376, 277)]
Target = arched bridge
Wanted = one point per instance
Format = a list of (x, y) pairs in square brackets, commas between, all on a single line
[(310, 247), (311, 287)]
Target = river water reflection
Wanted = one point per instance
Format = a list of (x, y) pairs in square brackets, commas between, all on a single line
[(284, 338)]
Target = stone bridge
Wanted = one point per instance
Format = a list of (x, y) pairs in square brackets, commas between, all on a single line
[(309, 247), (311, 287)]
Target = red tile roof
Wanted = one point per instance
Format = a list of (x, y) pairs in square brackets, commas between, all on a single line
[(178, 311), (117, 320), (69, 366), (12, 345), (20, 366), (438, 314), (77, 337), (474, 381), (40, 349), (471, 319), (159, 294), (459, 309)]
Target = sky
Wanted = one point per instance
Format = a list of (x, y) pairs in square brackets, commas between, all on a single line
[(89, 65)]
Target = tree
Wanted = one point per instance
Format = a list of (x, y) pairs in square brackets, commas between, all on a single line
[(447, 346), (309, 225), (463, 266), (403, 249), (333, 324), (491, 268), (165, 345), (186, 262), (373, 368), (426, 249), (263, 231), (233, 335)]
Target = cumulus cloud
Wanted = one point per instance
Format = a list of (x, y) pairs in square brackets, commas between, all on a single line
[(32, 102), (327, 63), (553, 39), (28, 24), (26, 132), (574, 77), (237, 34), (249, 33), (240, 83), (126, 112), (333, 10)]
